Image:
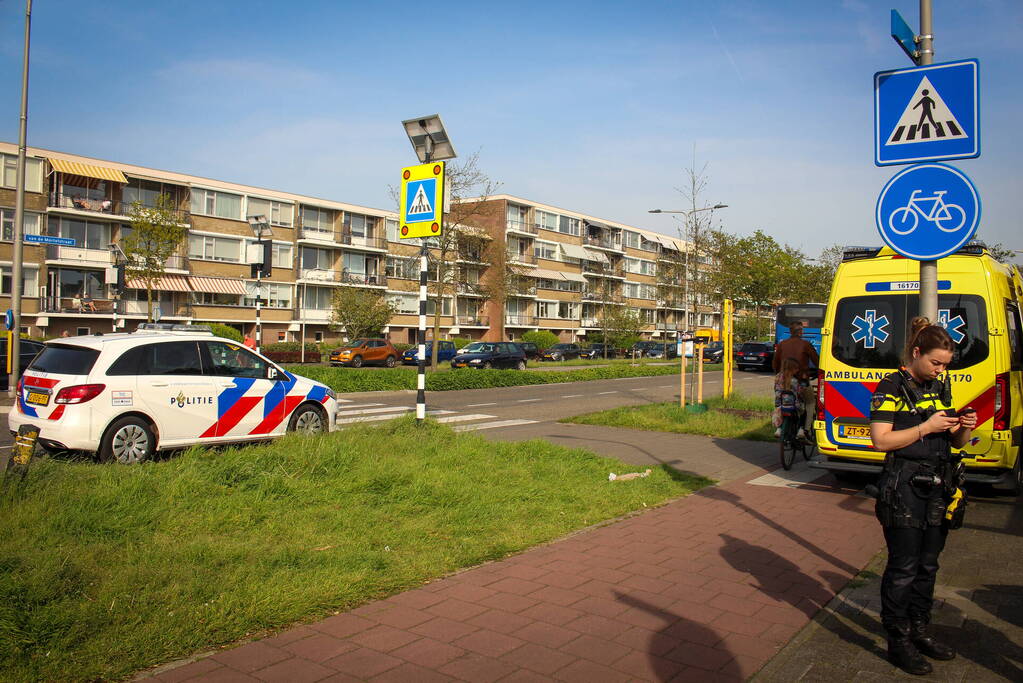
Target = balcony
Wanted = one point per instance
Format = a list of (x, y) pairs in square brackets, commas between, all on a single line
[(523, 227), (367, 279), (677, 304), (108, 207), (602, 242), (472, 320), (520, 320), (598, 270), (64, 304), (175, 309), (469, 288), (79, 255), (517, 257), (315, 315), (367, 242), (314, 232)]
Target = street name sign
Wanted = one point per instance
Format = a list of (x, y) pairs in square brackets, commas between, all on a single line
[(927, 113), (422, 200), (928, 211), (49, 239), (904, 36)]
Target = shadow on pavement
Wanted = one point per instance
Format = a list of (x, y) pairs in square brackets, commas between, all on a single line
[(676, 628)]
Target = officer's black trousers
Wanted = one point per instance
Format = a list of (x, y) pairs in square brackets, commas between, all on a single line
[(907, 587)]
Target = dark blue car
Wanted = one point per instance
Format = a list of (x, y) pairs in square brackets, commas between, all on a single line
[(445, 352)]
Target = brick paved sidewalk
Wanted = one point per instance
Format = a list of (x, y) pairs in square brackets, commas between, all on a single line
[(707, 588)]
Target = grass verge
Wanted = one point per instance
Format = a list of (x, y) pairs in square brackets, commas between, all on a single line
[(347, 380), (105, 570), (738, 417)]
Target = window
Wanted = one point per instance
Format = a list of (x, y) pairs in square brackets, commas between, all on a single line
[(431, 306), (518, 216), (217, 299), (146, 192), (569, 226), (66, 360), (640, 266), (279, 213), (407, 304), (647, 315), (33, 172), (1015, 339), (318, 298), (282, 256), (73, 281), (234, 360), (403, 268), (218, 204), (275, 295), (317, 220), (359, 225), (547, 220), (214, 248), (630, 290), (318, 337), (312, 258), (170, 358), (547, 309), (870, 331), (545, 250), (29, 281), (631, 239), (391, 227), (7, 220), (568, 310), (647, 244), (85, 233)]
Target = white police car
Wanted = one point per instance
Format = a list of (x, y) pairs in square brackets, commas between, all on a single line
[(124, 396)]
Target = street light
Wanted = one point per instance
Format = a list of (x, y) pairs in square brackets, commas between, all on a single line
[(682, 359), (260, 226)]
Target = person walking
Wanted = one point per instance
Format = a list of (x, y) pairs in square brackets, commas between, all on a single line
[(803, 353), (912, 421)]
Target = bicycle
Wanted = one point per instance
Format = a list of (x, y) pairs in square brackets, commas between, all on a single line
[(940, 213), (790, 441)]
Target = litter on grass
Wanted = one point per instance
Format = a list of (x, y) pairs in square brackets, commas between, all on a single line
[(626, 477)]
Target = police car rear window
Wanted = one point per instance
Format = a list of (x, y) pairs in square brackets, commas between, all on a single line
[(65, 360), (870, 331)]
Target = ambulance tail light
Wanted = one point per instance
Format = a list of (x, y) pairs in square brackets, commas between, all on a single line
[(79, 393), (1002, 407), (820, 394)]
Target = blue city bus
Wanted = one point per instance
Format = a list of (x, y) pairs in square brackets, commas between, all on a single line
[(812, 317)]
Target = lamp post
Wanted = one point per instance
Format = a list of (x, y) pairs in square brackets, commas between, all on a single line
[(260, 226), (685, 238)]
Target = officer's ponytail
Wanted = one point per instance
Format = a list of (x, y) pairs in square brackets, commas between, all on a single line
[(926, 337)]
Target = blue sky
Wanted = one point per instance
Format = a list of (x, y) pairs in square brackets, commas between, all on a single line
[(592, 106)]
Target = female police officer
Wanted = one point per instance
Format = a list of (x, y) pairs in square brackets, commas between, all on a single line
[(911, 419)]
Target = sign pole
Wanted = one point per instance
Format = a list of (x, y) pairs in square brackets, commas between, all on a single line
[(726, 343), (699, 373), (928, 269), (682, 373), (19, 212), (424, 265)]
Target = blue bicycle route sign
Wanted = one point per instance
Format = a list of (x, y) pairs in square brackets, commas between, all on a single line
[(928, 211), (927, 113)]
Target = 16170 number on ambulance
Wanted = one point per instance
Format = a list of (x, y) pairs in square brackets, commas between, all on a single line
[(875, 296)]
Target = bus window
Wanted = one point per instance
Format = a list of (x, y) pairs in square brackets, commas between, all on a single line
[(812, 317)]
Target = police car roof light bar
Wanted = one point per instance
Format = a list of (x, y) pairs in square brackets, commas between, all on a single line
[(172, 327)]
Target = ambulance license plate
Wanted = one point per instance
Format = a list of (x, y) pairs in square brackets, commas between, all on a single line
[(38, 398), (854, 432)]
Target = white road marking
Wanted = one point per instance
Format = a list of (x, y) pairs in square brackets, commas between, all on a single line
[(389, 416), (528, 400), (572, 396), (366, 411), (480, 405), (491, 425), (601, 393), (464, 418)]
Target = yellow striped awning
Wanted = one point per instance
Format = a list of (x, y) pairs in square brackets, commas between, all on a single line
[(166, 283), (88, 170), (216, 285)]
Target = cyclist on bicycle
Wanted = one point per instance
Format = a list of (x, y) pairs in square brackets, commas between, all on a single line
[(787, 381), (800, 351)]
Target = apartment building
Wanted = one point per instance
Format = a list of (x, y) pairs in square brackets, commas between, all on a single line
[(571, 264)]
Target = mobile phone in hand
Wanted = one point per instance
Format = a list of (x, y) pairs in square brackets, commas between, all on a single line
[(965, 411)]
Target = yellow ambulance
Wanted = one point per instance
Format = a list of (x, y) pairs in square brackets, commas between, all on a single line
[(875, 296)]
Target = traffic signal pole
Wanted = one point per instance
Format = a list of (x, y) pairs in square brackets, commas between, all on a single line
[(928, 269)]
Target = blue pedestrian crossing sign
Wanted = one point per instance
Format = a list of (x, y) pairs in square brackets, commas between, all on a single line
[(927, 113), (928, 211), (422, 200)]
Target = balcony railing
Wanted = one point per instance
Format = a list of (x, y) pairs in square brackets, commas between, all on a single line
[(107, 206), (177, 309), (592, 268), (517, 257), (520, 320), (590, 322), (363, 241), (316, 233), (473, 320), (315, 314), (600, 241), (600, 296), (55, 252), (471, 288), (523, 226), (65, 304), (349, 278)]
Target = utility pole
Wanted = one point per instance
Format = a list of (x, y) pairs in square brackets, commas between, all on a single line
[(928, 269), (19, 215)]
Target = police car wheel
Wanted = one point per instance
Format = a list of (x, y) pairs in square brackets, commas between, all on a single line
[(357, 362), (307, 419), (128, 441)]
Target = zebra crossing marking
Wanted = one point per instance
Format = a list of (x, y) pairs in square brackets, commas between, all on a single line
[(463, 418), (491, 425)]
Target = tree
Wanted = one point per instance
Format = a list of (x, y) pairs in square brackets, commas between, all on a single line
[(360, 312), (621, 325), (156, 232), (542, 338), (754, 271), (1001, 253)]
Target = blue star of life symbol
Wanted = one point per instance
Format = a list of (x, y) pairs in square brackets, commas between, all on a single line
[(870, 329), (952, 326)]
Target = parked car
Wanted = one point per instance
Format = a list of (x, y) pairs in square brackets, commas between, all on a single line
[(654, 349), (490, 355), (127, 396), (714, 352), (561, 352), (359, 352), (530, 349), (757, 355), (597, 351), (445, 351), (27, 349)]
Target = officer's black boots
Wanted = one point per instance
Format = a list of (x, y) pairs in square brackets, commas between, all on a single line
[(903, 654), (927, 644)]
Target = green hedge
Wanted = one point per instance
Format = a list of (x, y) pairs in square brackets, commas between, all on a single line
[(226, 332), (310, 347), (347, 380)]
